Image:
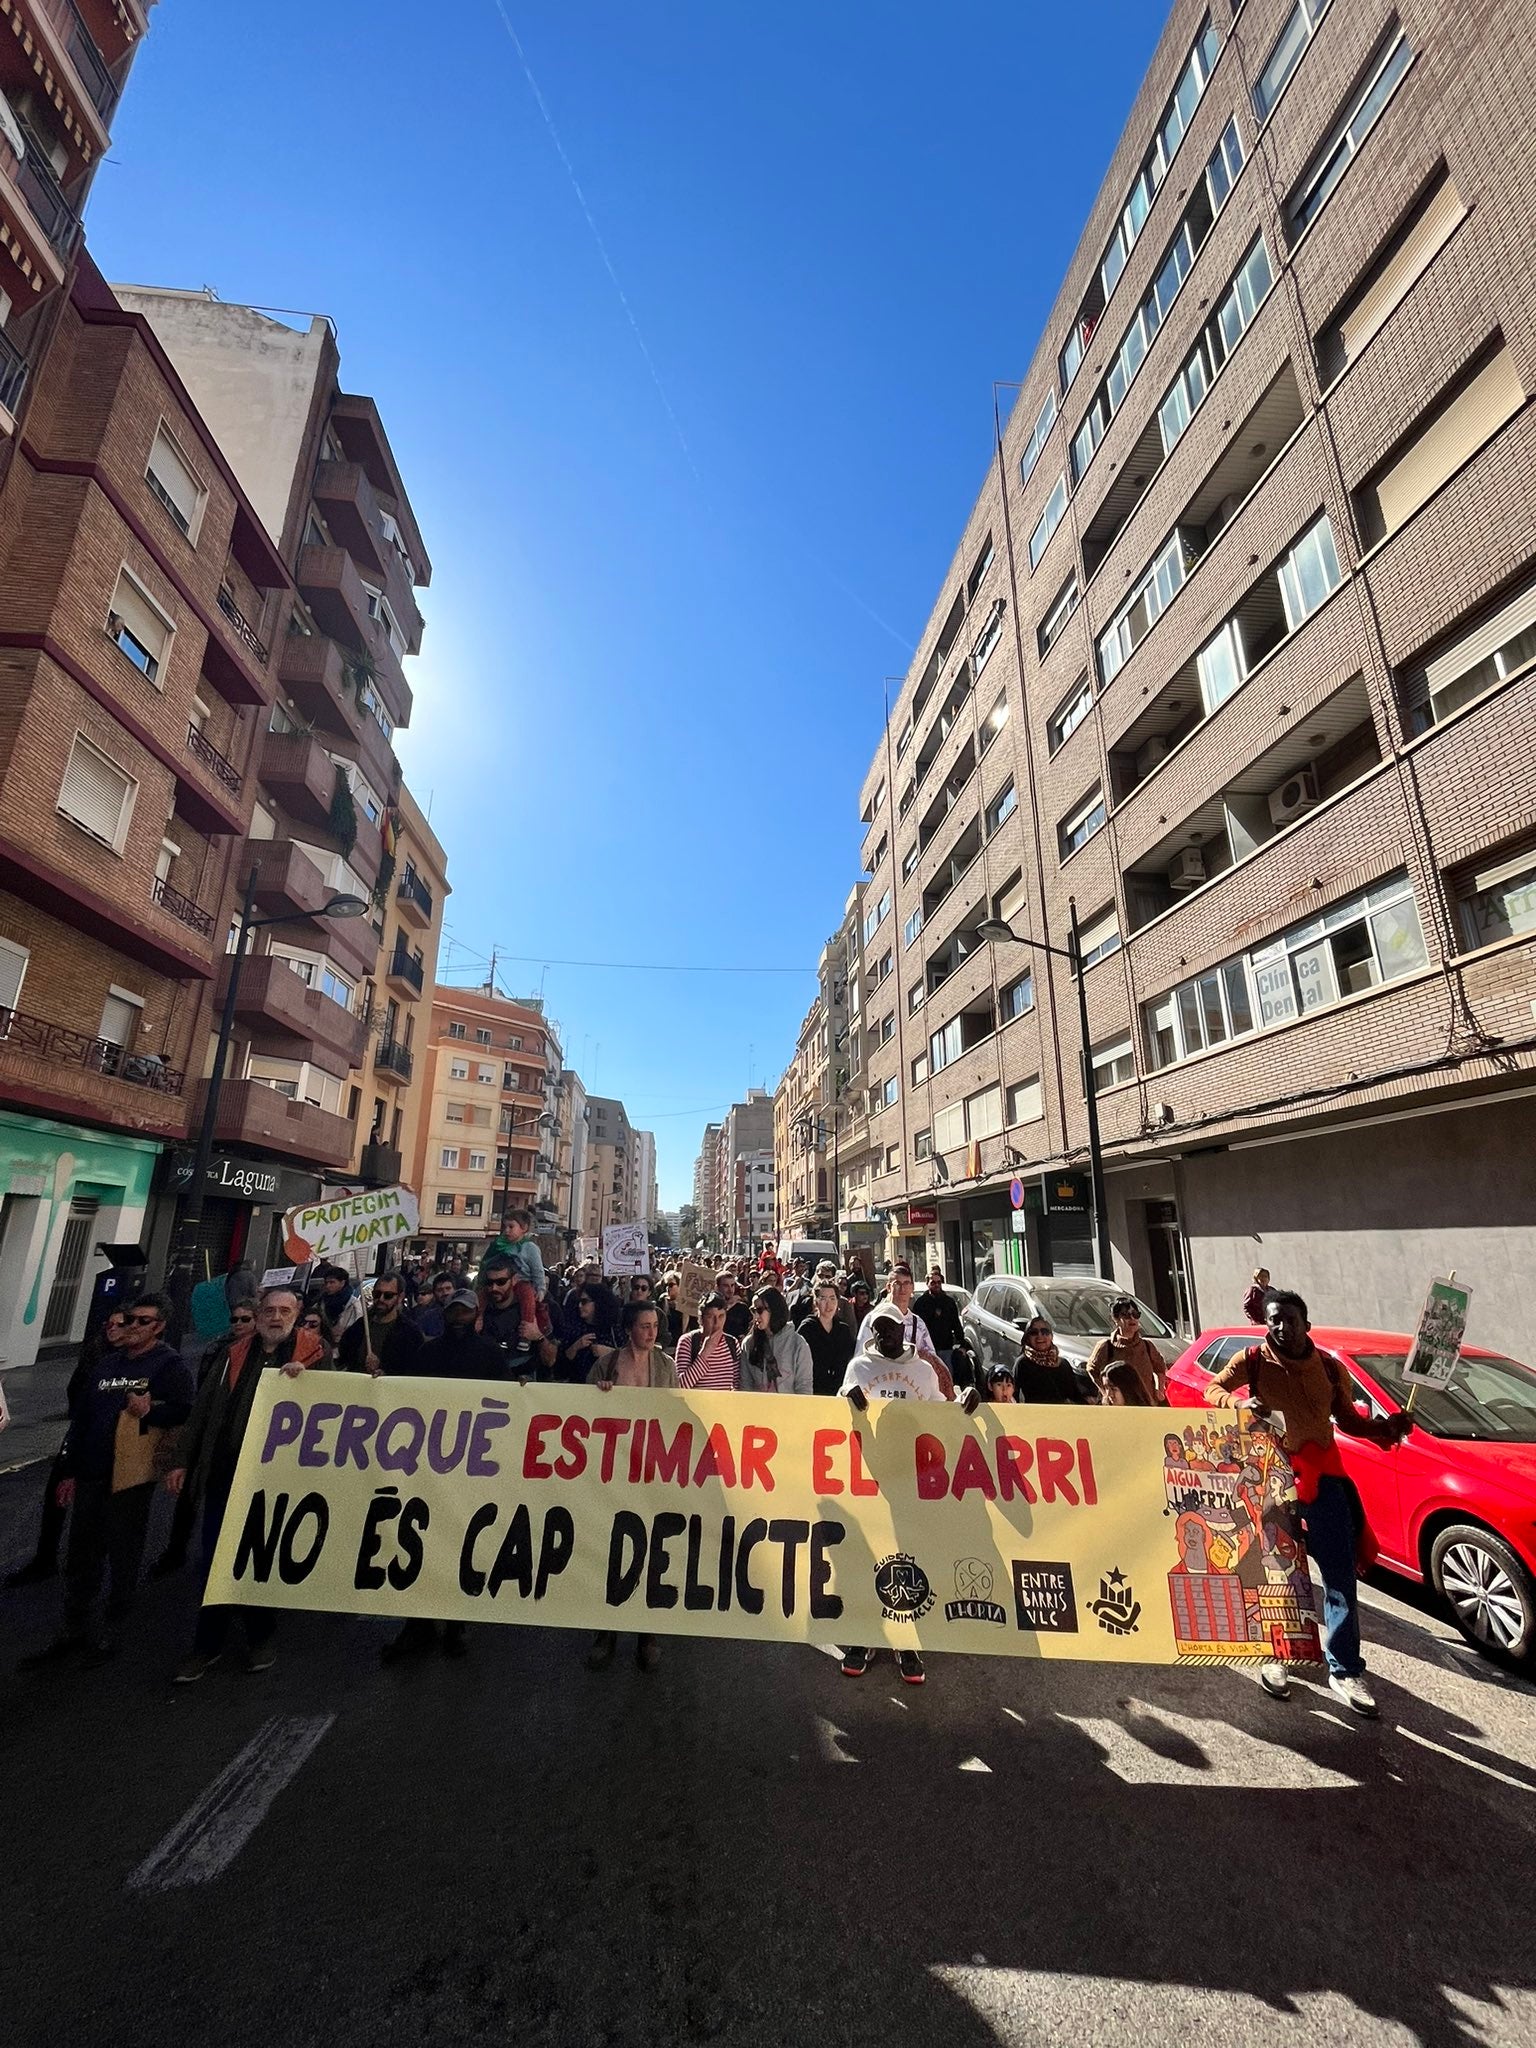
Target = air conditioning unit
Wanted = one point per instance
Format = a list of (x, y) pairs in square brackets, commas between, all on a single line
[(1187, 870), (1296, 794)]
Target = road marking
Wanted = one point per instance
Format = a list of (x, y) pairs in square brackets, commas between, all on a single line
[(1009, 1711), (974, 1763), (1229, 1758), (900, 1703), (829, 1650), (830, 1741), (1322, 1714), (213, 1831), (1471, 1762)]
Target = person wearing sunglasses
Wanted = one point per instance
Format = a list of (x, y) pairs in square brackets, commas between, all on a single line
[(1042, 1374), (109, 1480), (389, 1323), (775, 1358), (1125, 1345)]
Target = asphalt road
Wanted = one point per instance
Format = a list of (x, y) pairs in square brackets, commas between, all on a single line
[(745, 1848)]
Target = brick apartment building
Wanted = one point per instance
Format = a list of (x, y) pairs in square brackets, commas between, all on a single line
[(320, 1049), (1236, 654), (490, 1120)]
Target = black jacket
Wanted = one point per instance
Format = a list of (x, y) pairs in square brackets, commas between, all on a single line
[(942, 1317), (210, 1449), (99, 1396), (397, 1346), (470, 1357), (830, 1352), (1059, 1383)]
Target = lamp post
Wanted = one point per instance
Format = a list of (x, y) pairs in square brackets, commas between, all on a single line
[(182, 1261), (996, 932), (531, 1124)]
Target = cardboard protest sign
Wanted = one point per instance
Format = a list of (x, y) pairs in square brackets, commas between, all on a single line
[(1437, 1343), (771, 1518), (626, 1248), (338, 1225), (693, 1283)]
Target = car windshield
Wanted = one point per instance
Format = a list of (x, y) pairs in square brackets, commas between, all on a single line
[(1491, 1400), (1081, 1308)]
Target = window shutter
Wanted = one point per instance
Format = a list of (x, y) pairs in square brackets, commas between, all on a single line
[(1508, 624), (1402, 270), (94, 792), (13, 968), (1011, 900), (119, 1021), (170, 472), (143, 621), (1099, 931), (1476, 413)]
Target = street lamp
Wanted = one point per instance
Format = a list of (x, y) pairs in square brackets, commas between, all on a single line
[(182, 1262), (996, 931), (530, 1124)]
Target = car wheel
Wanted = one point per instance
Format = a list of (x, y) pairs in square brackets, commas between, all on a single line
[(1490, 1593)]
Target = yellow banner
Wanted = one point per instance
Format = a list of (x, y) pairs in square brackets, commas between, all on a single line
[(1129, 1535)]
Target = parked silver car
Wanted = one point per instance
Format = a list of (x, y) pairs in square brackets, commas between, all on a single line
[(1005, 1304)]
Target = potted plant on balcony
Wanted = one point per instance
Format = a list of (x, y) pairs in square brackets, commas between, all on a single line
[(343, 818)]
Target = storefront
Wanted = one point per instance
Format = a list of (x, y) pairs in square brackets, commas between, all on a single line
[(1050, 1230), (63, 1191), (243, 1205)]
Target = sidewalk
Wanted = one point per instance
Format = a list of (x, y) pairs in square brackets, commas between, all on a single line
[(35, 1396)]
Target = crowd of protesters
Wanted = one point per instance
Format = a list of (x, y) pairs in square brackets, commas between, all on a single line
[(140, 1415)]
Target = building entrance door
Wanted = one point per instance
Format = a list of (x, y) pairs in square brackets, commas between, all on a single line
[(74, 1250), (1170, 1274)]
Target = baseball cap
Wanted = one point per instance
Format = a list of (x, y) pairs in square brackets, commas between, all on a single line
[(886, 1314), (463, 1297)]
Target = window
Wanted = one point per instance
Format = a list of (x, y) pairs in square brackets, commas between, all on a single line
[(882, 969), (922, 1145), (984, 1113), (1099, 937), (912, 927), (888, 1093), (872, 809), (1002, 807), (1500, 646), (920, 1070), (482, 1034), (1234, 314), (1017, 998), (1368, 939), (449, 1157), (1317, 181), (1087, 819), (13, 969), (1069, 716), (445, 1205), (909, 861), (138, 626), (457, 1030), (514, 1044), (988, 637), (455, 1113), (1498, 901), (96, 794), (873, 919), (1034, 448), (892, 1158), (916, 996), (949, 1128), (485, 1075), (1010, 899), (1300, 27), (458, 1070), (1113, 1064), (979, 568), (1050, 519), (474, 1205), (1148, 600), (1061, 610), (477, 1162), (887, 1027), (1438, 445), (994, 721), (1309, 573), (1222, 664), (1409, 252), (945, 1045), (172, 480), (122, 1015), (1024, 1102)]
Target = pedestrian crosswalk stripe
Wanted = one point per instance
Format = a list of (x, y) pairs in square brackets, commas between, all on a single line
[(213, 1831)]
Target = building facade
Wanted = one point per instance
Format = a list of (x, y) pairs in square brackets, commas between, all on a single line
[(646, 1195), (611, 1168), (706, 1187), (1240, 621)]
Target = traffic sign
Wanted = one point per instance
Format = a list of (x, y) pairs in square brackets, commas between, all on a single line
[(1016, 1192)]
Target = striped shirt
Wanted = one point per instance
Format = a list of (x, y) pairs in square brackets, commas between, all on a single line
[(710, 1363)]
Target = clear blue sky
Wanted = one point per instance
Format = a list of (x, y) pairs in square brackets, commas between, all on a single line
[(658, 624)]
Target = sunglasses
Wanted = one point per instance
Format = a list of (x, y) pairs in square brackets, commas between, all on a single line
[(143, 1322), (501, 1280), (243, 1315)]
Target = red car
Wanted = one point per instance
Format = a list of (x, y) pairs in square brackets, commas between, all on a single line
[(1455, 1503)]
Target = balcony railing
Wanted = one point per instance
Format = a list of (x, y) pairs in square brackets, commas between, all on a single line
[(60, 1046), (86, 58), (191, 914), (44, 194), (213, 760), (245, 632), (413, 890), (394, 1058), (13, 373), (408, 970)]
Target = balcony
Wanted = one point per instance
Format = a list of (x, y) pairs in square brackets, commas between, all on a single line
[(405, 974), (182, 908), (242, 628), (223, 771), (414, 899), (379, 1166), (351, 510), (301, 775), (56, 1045), (334, 592), (101, 88), (45, 195), (291, 1020), (13, 374), (319, 676), (289, 884), (251, 1113), (393, 1060)]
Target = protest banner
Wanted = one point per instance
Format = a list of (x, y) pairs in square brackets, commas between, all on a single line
[(1016, 1532), (693, 1283), (1437, 1343), (339, 1225), (626, 1249)]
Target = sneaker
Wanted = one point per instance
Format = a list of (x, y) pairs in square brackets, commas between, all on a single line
[(1275, 1679), (856, 1662), (34, 1574), (600, 1656), (59, 1651), (260, 1657), (647, 1653), (190, 1672), (1355, 1694), (910, 1665)]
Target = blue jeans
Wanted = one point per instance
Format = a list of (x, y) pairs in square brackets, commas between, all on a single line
[(1329, 1524)]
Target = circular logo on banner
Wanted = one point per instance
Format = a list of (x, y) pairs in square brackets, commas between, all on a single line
[(901, 1585), (1016, 1192)]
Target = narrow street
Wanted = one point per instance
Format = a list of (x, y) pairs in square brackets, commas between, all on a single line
[(746, 1848)]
